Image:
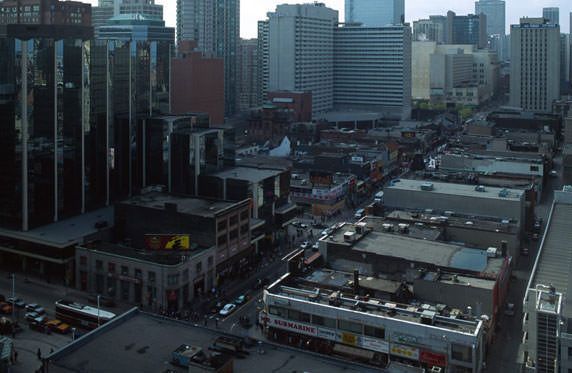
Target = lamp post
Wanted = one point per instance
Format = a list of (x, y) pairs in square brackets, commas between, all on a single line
[(98, 310)]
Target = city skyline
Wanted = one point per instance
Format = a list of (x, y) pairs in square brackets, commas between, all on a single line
[(252, 12)]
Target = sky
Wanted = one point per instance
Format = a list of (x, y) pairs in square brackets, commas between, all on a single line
[(253, 11)]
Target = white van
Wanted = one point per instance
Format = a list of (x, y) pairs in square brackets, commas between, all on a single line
[(378, 198), (359, 214)]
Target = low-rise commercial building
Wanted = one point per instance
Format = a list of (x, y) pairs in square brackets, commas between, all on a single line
[(329, 312), (546, 307), (325, 192), (469, 200)]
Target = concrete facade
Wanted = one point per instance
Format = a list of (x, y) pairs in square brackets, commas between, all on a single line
[(301, 52), (535, 65), (459, 198)]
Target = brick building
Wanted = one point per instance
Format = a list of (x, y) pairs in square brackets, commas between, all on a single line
[(197, 83), (45, 12)]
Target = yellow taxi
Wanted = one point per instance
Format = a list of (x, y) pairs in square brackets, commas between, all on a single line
[(58, 326)]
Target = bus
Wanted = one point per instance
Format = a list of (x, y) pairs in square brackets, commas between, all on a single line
[(80, 315)]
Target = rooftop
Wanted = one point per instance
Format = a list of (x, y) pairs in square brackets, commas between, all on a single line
[(253, 175), (66, 232), (141, 342), (554, 258), (311, 287), (462, 190), (420, 250), (184, 204)]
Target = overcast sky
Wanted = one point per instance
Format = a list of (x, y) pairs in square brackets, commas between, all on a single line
[(254, 10)]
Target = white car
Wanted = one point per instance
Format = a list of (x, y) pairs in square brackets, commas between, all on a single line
[(316, 246), (227, 310), (304, 245)]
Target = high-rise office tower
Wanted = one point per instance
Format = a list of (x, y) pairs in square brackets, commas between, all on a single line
[(535, 64), (131, 63), (215, 25), (469, 29), (426, 29), (107, 9), (301, 52), (263, 60), (552, 15), (564, 63), (247, 74), (372, 70), (441, 20), (44, 118), (375, 13), (496, 16)]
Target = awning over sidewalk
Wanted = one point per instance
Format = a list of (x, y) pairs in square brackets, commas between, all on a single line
[(352, 351)]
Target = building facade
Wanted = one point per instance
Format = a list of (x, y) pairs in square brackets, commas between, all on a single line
[(45, 12), (113, 8), (427, 30), (197, 83), (263, 61), (469, 29), (495, 10), (247, 87), (215, 25), (552, 15), (301, 52), (372, 69), (375, 14), (535, 65)]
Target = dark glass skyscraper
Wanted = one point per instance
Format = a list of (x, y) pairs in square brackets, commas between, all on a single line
[(44, 122)]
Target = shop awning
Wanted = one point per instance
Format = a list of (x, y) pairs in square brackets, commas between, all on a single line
[(352, 351)]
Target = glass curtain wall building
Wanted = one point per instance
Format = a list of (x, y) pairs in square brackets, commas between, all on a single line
[(375, 13), (44, 121)]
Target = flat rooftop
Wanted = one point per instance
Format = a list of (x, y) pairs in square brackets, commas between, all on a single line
[(310, 287), (141, 342), (251, 174), (185, 204), (420, 250), (462, 190), (66, 232), (554, 260)]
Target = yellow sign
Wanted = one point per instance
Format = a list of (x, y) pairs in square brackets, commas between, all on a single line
[(349, 339)]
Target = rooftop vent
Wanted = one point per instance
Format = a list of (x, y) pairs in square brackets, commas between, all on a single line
[(428, 317)]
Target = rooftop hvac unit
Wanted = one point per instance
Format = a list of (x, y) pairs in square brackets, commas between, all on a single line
[(480, 188), (492, 252), (427, 186), (428, 317), (403, 228), (350, 236), (360, 228)]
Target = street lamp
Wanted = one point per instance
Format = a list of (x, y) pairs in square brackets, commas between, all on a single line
[(98, 310)]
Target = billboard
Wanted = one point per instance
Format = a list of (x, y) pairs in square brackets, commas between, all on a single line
[(167, 242)]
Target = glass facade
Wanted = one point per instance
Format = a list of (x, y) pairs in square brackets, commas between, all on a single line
[(42, 116), (375, 13)]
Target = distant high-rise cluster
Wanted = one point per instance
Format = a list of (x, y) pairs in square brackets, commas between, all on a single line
[(107, 9), (552, 15), (375, 13), (496, 18)]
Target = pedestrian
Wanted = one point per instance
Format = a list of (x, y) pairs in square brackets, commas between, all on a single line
[(216, 323), (206, 320), (39, 354), (51, 351), (15, 356)]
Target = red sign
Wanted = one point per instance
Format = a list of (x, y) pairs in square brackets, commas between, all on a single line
[(301, 328), (433, 358)]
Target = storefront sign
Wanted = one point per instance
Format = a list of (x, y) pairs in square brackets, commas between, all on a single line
[(133, 280), (404, 338), (167, 242), (404, 351), (293, 326), (349, 339), (433, 358), (327, 334), (374, 344)]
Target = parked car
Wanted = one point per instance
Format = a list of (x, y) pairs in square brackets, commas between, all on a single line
[(304, 245), (16, 302), (524, 251), (58, 326), (359, 214), (5, 308), (316, 246), (228, 309), (34, 316), (304, 226), (34, 307), (553, 173)]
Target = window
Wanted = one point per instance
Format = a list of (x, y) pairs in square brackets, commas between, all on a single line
[(461, 353), (124, 270), (533, 168), (186, 275), (138, 273), (278, 311), (173, 279), (210, 261), (199, 267), (83, 260), (324, 321), (233, 234), (233, 220), (151, 276), (349, 326), (244, 229), (298, 316), (569, 352), (125, 290), (111, 267), (222, 225), (373, 331), (221, 240), (244, 215)]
